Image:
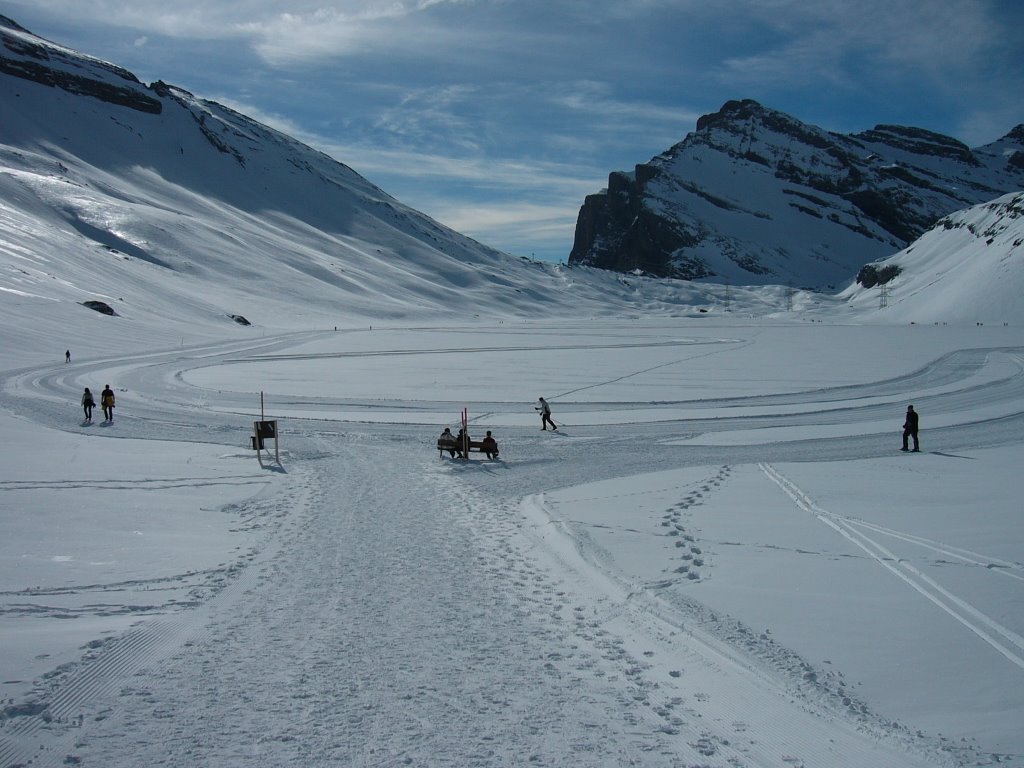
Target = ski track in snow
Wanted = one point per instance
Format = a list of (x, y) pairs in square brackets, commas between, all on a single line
[(1005, 641), (374, 628)]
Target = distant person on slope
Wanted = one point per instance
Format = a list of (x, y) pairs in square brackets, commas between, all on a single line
[(87, 404), (545, 414), (910, 429), (67, 356), (107, 401)]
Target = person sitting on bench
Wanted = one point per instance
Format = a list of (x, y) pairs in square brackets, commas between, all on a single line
[(490, 446), (463, 440), (447, 439)]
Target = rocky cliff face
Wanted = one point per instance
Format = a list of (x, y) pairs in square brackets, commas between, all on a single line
[(28, 57), (754, 196)]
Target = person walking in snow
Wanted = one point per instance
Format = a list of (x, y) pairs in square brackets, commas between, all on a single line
[(910, 429), (67, 356), (107, 401), (545, 414), (87, 404)]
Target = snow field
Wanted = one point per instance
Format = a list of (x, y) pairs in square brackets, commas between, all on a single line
[(629, 590)]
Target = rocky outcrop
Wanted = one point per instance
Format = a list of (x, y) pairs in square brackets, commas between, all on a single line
[(632, 235), (24, 56), (755, 196), (100, 306), (871, 275)]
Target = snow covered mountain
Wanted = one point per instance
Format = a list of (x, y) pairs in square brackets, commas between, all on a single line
[(173, 211), (754, 196), (968, 268), (135, 179), (130, 197)]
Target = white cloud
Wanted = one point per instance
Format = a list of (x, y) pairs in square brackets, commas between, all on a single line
[(597, 98), (526, 221), (308, 30)]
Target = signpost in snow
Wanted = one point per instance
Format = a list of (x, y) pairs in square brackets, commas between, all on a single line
[(262, 430)]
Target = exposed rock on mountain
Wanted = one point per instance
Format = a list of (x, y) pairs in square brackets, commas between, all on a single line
[(871, 275), (754, 196), (23, 56)]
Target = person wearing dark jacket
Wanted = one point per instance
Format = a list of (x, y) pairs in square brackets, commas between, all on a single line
[(87, 404), (463, 440), (490, 446), (910, 429), (107, 401)]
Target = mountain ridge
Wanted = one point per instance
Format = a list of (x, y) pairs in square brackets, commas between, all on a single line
[(203, 218), (756, 196)]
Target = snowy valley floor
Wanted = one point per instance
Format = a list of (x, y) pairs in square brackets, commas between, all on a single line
[(720, 559)]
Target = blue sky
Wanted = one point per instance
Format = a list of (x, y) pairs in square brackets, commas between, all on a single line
[(497, 117)]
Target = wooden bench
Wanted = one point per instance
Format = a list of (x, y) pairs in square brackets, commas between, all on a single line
[(453, 445)]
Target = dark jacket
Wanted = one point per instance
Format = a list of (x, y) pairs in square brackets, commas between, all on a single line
[(911, 423)]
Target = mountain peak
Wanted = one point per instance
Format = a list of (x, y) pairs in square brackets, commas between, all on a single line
[(1017, 134), (12, 24), (732, 111), (30, 57), (745, 115)]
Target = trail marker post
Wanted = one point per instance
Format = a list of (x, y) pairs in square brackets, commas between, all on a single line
[(262, 430), (465, 432)]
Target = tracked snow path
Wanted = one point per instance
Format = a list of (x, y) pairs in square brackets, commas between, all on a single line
[(377, 630), (383, 632)]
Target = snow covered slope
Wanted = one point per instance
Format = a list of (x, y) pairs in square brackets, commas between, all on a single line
[(968, 268), (136, 196), (756, 196), (134, 179)]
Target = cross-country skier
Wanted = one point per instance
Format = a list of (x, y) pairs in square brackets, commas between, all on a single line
[(545, 414)]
